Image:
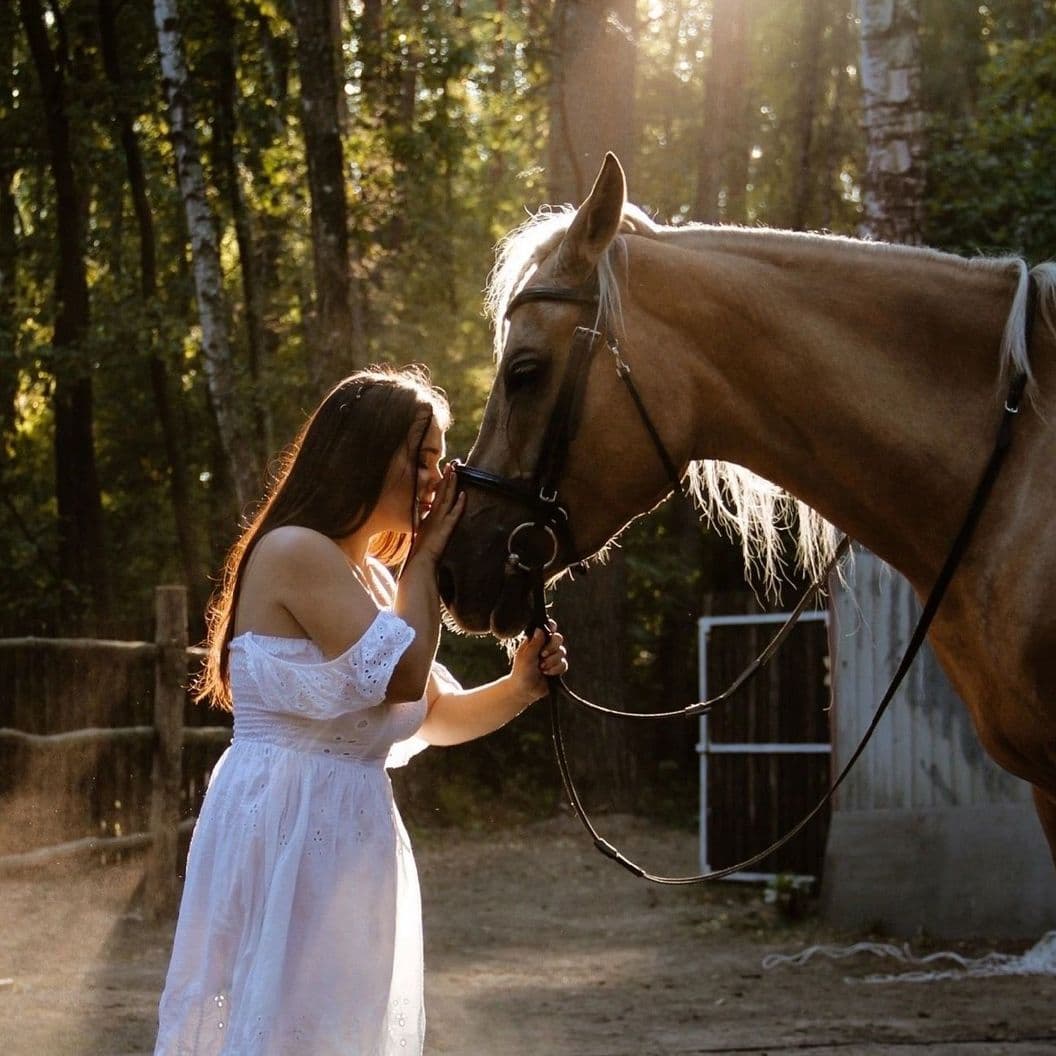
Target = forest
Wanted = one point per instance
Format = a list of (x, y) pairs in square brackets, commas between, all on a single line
[(211, 210)]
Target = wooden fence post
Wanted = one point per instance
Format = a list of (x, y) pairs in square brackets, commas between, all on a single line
[(162, 885)]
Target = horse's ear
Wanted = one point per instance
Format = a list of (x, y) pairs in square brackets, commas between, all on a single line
[(596, 221)]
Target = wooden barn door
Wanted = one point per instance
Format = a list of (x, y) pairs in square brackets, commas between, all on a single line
[(765, 755)]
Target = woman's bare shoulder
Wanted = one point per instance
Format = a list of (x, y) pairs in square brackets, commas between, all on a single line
[(300, 549), (304, 576)]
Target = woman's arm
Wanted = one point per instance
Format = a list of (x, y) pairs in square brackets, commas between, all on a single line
[(417, 598), (463, 715)]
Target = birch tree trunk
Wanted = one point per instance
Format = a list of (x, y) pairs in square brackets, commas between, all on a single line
[(217, 356), (591, 102), (892, 113)]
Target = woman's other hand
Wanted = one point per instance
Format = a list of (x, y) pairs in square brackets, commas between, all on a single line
[(438, 524), (537, 659)]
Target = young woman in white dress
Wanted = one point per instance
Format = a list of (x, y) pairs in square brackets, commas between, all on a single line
[(300, 931)]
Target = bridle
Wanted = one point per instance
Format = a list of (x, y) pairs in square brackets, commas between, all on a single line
[(533, 546)]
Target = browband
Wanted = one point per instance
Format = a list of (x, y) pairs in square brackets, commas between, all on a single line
[(573, 294)]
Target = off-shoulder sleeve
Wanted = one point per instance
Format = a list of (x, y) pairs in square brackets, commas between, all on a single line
[(356, 679), (402, 752)]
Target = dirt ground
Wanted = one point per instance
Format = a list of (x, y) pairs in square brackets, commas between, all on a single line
[(535, 945)]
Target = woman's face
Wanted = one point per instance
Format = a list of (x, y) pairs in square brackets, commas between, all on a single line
[(415, 469)]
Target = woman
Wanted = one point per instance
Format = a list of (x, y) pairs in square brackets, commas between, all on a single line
[(300, 925)]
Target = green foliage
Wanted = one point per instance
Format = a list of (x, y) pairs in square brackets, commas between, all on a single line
[(675, 47), (991, 187), (781, 84), (445, 140)]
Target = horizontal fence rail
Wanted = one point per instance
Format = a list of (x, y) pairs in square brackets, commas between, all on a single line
[(116, 734), (87, 670)]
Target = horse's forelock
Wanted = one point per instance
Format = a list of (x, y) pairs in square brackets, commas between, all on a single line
[(521, 251), (517, 255)]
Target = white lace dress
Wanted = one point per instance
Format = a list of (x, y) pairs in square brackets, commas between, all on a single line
[(300, 928)]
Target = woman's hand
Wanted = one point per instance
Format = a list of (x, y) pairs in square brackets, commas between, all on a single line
[(536, 659), (438, 524)]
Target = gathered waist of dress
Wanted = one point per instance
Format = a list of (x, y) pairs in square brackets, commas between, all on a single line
[(328, 738)]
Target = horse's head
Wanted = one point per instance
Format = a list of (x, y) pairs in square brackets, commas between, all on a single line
[(562, 461)]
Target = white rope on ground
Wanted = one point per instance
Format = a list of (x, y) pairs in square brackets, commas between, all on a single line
[(1040, 959)]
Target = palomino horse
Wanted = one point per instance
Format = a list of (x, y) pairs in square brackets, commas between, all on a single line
[(864, 380)]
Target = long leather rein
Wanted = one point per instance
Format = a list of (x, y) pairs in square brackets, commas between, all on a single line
[(528, 554)]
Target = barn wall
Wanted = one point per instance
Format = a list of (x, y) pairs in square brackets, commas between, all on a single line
[(927, 831)]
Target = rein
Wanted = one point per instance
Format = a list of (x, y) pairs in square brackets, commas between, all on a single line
[(551, 523)]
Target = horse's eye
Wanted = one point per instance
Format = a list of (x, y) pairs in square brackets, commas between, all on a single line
[(522, 371)]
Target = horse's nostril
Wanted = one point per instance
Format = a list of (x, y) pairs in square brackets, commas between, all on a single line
[(445, 579)]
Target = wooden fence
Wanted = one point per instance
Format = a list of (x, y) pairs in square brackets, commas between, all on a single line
[(97, 735)]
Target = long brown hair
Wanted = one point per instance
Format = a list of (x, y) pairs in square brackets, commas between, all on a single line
[(330, 479)]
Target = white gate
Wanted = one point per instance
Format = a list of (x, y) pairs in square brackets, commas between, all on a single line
[(708, 748)]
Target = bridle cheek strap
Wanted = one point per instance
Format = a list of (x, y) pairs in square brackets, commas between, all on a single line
[(533, 546), (566, 416)]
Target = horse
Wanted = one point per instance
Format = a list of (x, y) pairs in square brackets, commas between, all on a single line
[(800, 383)]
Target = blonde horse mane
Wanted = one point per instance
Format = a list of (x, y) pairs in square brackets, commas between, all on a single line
[(742, 505)]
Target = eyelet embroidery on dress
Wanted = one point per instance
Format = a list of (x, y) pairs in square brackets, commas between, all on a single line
[(326, 688)]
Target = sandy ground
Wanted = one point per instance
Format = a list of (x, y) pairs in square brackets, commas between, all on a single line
[(535, 945)]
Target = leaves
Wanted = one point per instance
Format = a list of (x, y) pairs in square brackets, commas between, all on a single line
[(990, 185), (445, 144)]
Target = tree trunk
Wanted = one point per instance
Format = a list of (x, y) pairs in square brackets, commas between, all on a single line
[(370, 54), (841, 45), (217, 357), (591, 92), (893, 199), (591, 100), (724, 149), (179, 485), (230, 182), (82, 554), (500, 72), (338, 340), (277, 57), (808, 71), (8, 245)]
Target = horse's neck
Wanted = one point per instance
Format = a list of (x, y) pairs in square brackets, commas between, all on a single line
[(863, 379)]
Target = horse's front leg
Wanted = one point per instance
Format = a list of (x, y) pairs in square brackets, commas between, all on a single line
[(1046, 804)]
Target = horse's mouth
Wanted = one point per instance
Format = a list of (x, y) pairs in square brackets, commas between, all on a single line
[(510, 615)]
